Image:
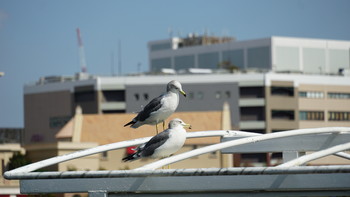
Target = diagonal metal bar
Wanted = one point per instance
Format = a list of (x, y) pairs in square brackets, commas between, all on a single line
[(246, 140), (316, 155)]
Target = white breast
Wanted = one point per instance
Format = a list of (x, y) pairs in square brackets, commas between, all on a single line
[(174, 143)]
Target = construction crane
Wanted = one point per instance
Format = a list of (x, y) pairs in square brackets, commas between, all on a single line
[(81, 53)]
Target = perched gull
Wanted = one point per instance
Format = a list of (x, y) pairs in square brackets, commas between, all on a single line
[(163, 144), (159, 108)]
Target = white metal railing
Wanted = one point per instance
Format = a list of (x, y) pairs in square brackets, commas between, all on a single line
[(34, 182), (248, 140), (114, 146)]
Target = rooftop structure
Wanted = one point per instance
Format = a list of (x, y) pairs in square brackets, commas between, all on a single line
[(278, 54)]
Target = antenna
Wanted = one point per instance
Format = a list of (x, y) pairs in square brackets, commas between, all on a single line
[(119, 58), (81, 53)]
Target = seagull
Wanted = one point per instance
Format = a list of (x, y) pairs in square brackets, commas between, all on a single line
[(163, 144), (160, 108)]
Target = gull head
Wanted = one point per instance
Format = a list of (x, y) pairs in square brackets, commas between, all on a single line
[(175, 86), (178, 122)]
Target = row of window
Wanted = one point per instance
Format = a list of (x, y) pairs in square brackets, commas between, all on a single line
[(257, 57), (312, 115), (191, 95), (332, 95), (311, 94), (289, 91)]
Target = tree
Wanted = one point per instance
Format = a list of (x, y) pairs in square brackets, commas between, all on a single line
[(17, 160)]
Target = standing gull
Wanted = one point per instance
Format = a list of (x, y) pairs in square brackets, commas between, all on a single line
[(163, 144), (159, 108)]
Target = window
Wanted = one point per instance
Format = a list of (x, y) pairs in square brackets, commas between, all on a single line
[(190, 95), (282, 114), (113, 95), (183, 62), (200, 95), (311, 115), (208, 60), (338, 95), (311, 94), (137, 96), (228, 94), (145, 96), (251, 92), (58, 122), (104, 155), (84, 96), (158, 64), (282, 91), (236, 57), (338, 116), (259, 57), (252, 113), (218, 95)]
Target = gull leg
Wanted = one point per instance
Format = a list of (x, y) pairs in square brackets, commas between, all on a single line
[(163, 125), (157, 128)]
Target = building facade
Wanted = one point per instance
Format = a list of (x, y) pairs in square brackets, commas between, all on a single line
[(279, 54), (259, 102)]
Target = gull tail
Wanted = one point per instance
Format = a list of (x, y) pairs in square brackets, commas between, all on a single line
[(130, 123), (131, 157)]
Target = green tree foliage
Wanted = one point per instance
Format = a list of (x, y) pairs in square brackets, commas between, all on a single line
[(17, 160)]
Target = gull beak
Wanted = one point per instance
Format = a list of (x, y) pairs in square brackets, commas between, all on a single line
[(187, 126), (183, 93)]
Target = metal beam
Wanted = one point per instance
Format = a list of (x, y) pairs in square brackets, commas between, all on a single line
[(186, 184)]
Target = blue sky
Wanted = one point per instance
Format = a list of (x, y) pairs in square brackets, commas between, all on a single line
[(38, 38)]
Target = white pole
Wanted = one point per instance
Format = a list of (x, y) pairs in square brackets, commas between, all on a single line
[(343, 155), (316, 155), (232, 143)]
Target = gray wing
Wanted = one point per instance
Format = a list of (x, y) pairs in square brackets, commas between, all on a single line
[(152, 106), (154, 143)]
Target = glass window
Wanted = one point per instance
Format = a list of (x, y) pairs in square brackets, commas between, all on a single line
[(282, 114), (311, 115), (235, 57), (311, 94), (338, 95), (200, 95), (218, 95), (282, 91), (158, 64), (228, 94), (145, 96), (183, 62), (259, 57), (338, 116), (137, 96), (208, 60)]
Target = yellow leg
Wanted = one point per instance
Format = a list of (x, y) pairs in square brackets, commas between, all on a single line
[(163, 125)]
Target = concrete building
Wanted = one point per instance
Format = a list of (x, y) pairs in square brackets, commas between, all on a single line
[(259, 102), (10, 143), (278, 54)]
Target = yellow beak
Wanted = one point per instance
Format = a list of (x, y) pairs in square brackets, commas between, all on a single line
[(187, 126), (183, 93)]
